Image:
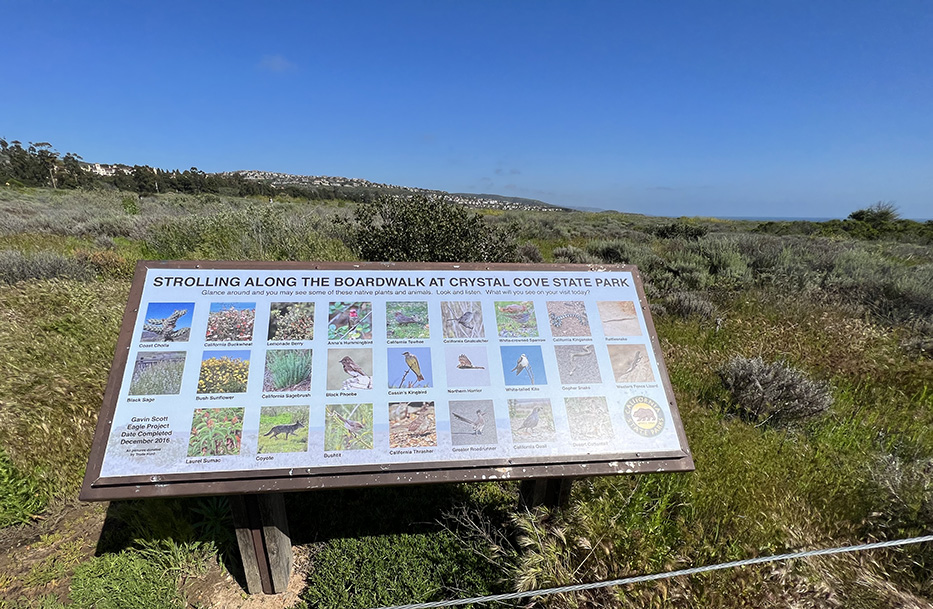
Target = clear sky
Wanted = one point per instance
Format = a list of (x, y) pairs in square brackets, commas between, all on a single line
[(784, 108)]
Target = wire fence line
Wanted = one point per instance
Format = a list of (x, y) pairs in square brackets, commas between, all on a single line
[(495, 598)]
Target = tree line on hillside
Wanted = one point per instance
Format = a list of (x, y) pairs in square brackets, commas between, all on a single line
[(878, 221), (41, 165)]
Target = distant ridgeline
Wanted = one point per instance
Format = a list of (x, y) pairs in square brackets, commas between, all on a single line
[(40, 165)]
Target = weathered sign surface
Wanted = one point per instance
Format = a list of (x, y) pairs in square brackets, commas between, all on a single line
[(248, 377)]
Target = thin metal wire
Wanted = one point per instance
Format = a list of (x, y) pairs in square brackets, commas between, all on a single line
[(495, 598)]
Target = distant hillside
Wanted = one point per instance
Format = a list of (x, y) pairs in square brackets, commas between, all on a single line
[(358, 185), (40, 164), (519, 202)]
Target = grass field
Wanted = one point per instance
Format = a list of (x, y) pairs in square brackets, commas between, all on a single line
[(850, 317)]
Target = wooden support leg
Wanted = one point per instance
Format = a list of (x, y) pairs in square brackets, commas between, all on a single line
[(265, 546), (549, 492)]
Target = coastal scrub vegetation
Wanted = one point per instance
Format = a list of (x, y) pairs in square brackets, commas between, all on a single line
[(799, 352)]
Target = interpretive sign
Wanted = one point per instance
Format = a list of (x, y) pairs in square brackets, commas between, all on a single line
[(249, 377)]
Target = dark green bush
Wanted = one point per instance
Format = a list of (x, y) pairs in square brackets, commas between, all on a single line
[(679, 230), (388, 570), (424, 229)]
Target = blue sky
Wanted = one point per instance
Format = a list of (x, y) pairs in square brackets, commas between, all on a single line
[(789, 108)]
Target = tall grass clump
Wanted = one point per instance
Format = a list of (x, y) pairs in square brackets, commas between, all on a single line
[(59, 338), (773, 393), (21, 495)]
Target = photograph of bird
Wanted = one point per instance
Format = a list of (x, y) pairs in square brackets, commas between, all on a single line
[(413, 364), (520, 365), (353, 427), (401, 318), (513, 309), (531, 421), (346, 317), (466, 363), (476, 424), (422, 423), (351, 367), (465, 319)]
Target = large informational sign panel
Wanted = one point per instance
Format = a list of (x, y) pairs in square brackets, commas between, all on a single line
[(266, 377)]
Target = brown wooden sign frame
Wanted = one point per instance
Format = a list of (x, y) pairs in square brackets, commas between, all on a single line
[(97, 487)]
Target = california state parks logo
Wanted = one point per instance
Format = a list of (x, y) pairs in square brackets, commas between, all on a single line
[(644, 416)]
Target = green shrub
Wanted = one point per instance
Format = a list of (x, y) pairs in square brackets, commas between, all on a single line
[(633, 249), (123, 581), (16, 266), (574, 255), (679, 230), (268, 232), (529, 252), (687, 304), (424, 229), (130, 204), (774, 393), (726, 262), (394, 569), (688, 270)]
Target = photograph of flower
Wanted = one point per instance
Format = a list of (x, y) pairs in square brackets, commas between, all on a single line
[(224, 371), (216, 431), (291, 321), (230, 321)]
